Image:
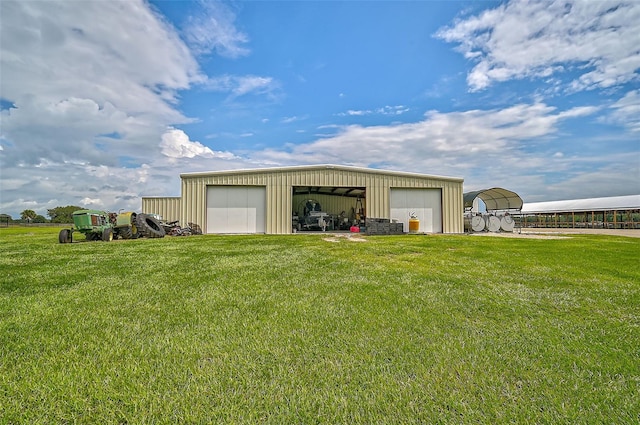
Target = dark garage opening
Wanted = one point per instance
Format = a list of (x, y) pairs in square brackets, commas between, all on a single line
[(328, 208)]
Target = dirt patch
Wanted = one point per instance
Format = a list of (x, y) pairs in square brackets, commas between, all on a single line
[(349, 237)]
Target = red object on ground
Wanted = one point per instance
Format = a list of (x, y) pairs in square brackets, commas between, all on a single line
[(355, 229)]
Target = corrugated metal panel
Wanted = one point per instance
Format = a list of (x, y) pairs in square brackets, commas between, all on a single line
[(194, 207), (452, 205), (279, 183), (167, 207)]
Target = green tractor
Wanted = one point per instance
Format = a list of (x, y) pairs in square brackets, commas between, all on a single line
[(99, 225)]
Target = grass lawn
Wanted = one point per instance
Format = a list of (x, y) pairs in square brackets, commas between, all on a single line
[(300, 330)]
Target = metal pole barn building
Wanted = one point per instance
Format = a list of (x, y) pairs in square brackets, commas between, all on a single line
[(273, 200), (613, 212)]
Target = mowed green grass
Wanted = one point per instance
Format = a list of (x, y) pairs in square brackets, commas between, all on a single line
[(300, 330)]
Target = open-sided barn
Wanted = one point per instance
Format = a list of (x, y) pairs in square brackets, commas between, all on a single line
[(281, 200), (615, 212)]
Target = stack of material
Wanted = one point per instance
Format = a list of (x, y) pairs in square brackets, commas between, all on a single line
[(383, 226)]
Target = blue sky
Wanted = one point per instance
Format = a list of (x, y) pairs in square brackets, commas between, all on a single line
[(542, 98)]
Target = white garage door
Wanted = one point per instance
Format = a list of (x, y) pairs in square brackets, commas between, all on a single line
[(236, 209), (425, 203)]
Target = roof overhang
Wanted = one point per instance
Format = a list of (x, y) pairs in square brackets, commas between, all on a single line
[(611, 203), (495, 199)]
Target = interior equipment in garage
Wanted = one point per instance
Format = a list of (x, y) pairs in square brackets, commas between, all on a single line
[(359, 209), (327, 208), (313, 218)]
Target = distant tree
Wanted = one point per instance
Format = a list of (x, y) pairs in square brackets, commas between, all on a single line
[(62, 214), (39, 219), (28, 215)]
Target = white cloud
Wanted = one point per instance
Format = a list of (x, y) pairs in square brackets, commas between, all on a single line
[(626, 111), (535, 39), (91, 201), (91, 99), (213, 29), (62, 42), (73, 79), (241, 85), (621, 172), (251, 84), (514, 147), (176, 145), (385, 110), (434, 141), (289, 120), (94, 115)]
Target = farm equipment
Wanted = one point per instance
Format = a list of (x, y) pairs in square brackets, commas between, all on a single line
[(100, 225), (94, 224), (173, 228), (124, 225), (150, 226), (313, 217)]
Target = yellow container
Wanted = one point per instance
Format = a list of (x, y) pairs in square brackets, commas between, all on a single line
[(414, 225)]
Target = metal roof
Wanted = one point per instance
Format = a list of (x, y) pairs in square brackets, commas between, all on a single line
[(611, 203), (495, 199), (319, 167)]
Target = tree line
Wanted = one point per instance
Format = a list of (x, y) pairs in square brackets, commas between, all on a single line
[(56, 215)]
